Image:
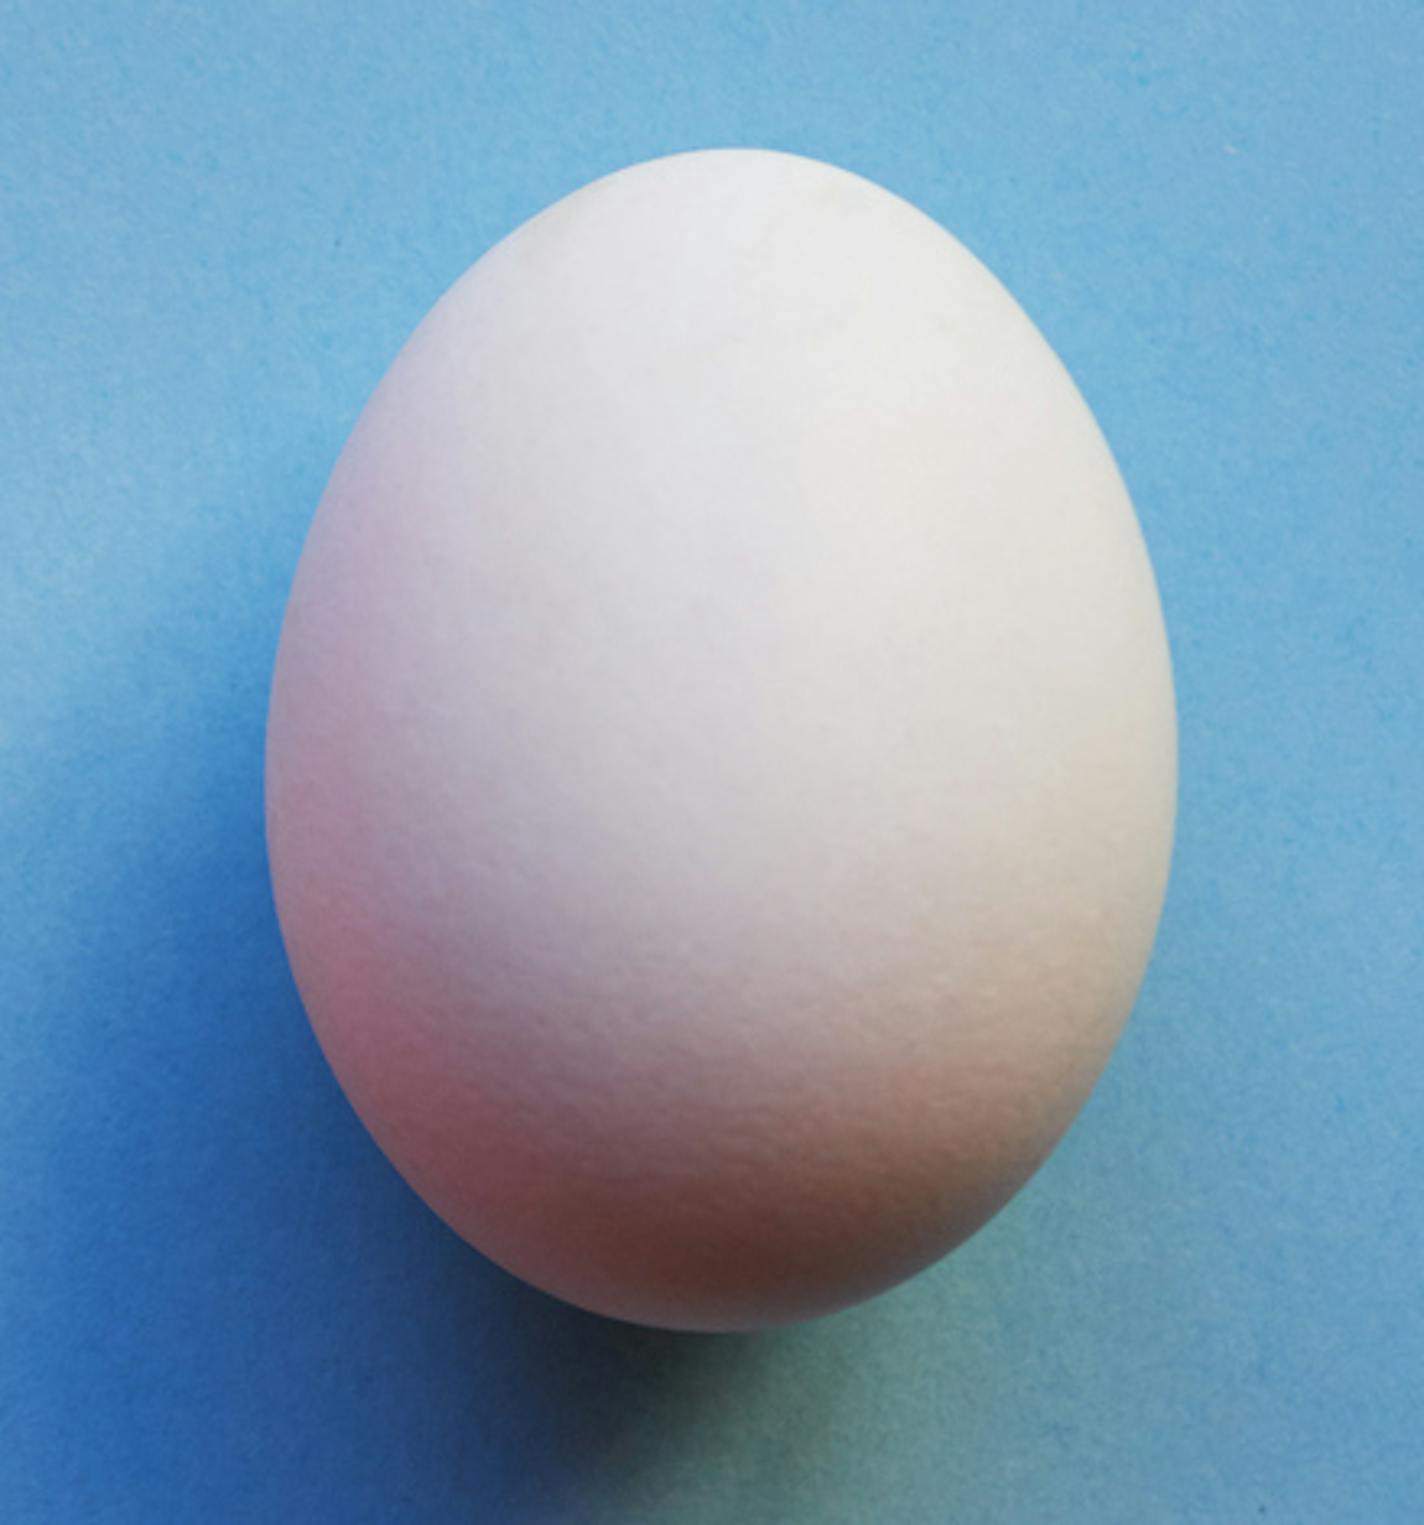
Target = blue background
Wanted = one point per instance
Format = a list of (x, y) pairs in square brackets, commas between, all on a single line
[(217, 1302)]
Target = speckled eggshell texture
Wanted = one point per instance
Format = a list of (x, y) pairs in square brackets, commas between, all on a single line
[(721, 763)]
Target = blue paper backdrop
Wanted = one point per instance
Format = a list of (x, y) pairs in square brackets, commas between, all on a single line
[(217, 1302)]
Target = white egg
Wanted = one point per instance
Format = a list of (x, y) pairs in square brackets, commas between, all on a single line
[(721, 764)]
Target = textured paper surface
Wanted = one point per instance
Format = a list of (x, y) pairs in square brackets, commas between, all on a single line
[(216, 1300)]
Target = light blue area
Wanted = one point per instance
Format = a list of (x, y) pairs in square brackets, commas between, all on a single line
[(217, 1302)]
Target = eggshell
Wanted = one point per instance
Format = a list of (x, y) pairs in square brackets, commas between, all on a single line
[(721, 762)]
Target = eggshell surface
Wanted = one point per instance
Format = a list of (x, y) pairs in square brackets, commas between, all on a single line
[(721, 762)]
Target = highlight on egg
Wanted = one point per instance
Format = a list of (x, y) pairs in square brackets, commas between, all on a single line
[(721, 763)]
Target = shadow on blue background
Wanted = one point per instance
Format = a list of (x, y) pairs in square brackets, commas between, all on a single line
[(244, 1287)]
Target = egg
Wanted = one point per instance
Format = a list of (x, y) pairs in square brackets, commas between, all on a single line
[(722, 758)]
